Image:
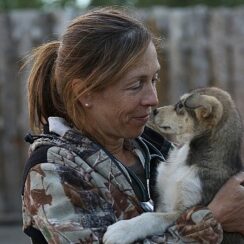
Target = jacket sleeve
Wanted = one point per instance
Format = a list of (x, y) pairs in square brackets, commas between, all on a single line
[(196, 225), (63, 206)]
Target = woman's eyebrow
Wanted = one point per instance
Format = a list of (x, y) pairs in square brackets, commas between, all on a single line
[(144, 75)]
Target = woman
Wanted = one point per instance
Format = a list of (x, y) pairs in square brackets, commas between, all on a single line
[(92, 93)]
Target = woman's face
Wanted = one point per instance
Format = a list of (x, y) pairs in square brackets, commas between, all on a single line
[(122, 109)]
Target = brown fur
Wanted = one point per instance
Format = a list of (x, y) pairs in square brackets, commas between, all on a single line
[(209, 119)]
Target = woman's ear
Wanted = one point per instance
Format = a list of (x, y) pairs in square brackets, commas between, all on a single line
[(85, 98)]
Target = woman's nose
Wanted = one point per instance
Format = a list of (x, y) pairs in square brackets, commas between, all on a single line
[(151, 97)]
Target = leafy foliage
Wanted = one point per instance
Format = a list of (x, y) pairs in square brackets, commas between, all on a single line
[(26, 4), (171, 3), (15, 4)]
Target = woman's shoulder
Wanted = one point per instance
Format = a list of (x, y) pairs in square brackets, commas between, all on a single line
[(50, 152)]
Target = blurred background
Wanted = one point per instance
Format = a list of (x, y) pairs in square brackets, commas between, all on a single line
[(203, 45)]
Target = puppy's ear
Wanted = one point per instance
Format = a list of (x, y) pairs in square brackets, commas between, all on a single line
[(207, 108)]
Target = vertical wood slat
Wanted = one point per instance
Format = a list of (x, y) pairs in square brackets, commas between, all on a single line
[(198, 40), (9, 112), (201, 47), (186, 43), (238, 62), (178, 54), (221, 47), (20, 32)]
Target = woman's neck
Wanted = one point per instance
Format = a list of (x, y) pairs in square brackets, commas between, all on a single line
[(116, 146)]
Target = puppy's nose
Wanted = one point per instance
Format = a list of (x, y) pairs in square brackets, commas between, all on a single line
[(155, 112)]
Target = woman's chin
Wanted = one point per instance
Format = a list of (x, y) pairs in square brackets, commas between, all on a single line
[(135, 132)]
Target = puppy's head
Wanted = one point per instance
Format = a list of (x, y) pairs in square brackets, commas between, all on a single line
[(196, 113)]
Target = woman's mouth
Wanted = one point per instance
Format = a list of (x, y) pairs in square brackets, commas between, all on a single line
[(142, 119)]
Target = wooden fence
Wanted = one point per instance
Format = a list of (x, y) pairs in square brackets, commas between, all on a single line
[(201, 47)]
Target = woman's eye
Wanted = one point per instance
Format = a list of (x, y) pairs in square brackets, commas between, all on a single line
[(136, 86)]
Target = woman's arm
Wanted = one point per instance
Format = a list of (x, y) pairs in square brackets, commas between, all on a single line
[(228, 205), (63, 206)]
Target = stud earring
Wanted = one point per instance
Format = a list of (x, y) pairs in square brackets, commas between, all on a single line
[(86, 105)]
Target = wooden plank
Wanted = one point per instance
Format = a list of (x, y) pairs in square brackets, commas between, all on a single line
[(238, 61), (221, 47), (9, 111), (197, 35), (178, 54)]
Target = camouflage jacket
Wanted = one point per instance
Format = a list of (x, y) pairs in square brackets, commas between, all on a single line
[(74, 189)]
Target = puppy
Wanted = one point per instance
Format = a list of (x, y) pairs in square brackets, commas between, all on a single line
[(206, 129)]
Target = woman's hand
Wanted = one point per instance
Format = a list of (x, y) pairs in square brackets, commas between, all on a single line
[(228, 204), (199, 224)]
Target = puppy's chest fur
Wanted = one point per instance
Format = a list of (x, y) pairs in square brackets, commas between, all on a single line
[(178, 184)]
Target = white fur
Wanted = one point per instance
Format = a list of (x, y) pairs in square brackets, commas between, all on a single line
[(178, 186), (178, 181)]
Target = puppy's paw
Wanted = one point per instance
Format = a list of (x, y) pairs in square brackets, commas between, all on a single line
[(122, 232)]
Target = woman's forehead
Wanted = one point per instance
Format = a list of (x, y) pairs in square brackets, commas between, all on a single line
[(147, 63)]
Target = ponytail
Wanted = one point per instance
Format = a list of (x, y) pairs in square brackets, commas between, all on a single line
[(43, 98)]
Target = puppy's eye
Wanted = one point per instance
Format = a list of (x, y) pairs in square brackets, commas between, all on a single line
[(179, 107)]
